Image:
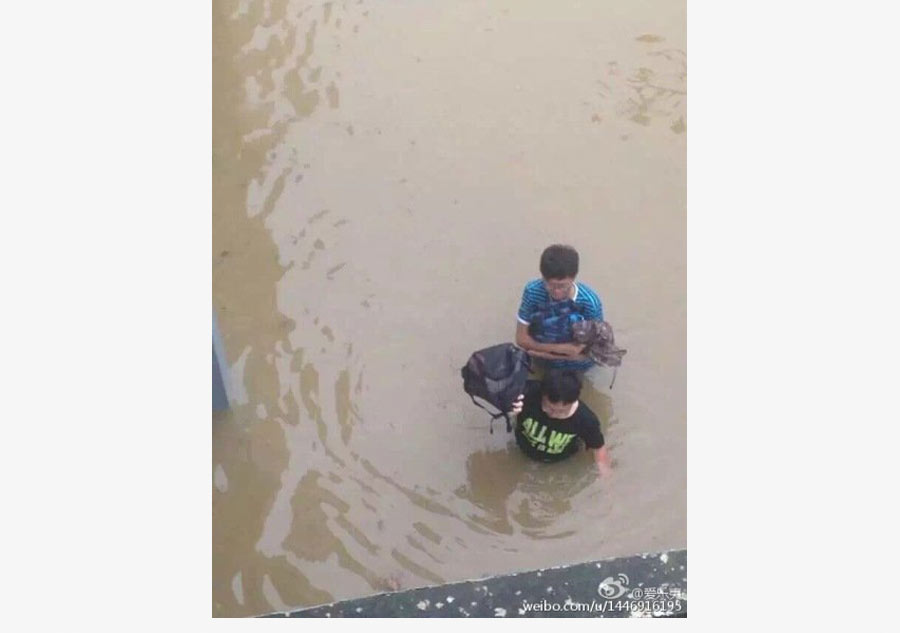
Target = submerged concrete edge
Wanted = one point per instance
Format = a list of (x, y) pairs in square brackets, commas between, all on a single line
[(644, 585)]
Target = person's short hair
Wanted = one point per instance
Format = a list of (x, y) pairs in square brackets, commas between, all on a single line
[(559, 262), (561, 385)]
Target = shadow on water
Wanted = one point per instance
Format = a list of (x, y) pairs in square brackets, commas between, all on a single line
[(599, 398), (515, 493)]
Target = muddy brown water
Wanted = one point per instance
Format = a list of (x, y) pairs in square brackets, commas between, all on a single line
[(385, 176)]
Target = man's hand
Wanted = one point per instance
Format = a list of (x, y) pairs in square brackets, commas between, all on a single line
[(550, 351), (552, 356), (569, 350), (604, 463), (545, 355), (517, 405)]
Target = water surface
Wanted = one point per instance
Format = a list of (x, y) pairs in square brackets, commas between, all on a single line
[(385, 176)]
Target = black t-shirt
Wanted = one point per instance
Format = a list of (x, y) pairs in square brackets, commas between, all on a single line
[(549, 439)]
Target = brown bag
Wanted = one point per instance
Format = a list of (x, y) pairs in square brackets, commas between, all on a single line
[(600, 343)]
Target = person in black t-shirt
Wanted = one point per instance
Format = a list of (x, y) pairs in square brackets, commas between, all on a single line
[(551, 421)]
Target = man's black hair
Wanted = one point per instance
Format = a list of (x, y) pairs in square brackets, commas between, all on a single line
[(559, 262), (561, 385)]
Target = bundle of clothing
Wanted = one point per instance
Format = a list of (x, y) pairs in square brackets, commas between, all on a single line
[(599, 341)]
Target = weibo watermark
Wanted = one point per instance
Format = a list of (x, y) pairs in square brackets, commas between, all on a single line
[(615, 597)]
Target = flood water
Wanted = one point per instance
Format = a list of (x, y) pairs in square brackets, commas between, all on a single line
[(385, 177)]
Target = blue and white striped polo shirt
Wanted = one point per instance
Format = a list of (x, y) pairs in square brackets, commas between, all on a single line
[(535, 295)]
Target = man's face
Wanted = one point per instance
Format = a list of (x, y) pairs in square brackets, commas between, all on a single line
[(559, 289), (558, 410)]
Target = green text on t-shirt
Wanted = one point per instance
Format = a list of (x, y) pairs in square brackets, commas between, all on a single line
[(536, 434)]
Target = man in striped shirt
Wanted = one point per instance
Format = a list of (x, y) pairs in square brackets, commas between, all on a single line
[(559, 267)]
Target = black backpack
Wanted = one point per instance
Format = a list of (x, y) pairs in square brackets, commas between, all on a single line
[(497, 375)]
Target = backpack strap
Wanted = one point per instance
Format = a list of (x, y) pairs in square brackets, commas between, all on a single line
[(494, 416)]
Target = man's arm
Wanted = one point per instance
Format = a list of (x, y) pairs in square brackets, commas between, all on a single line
[(568, 351), (604, 463)]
